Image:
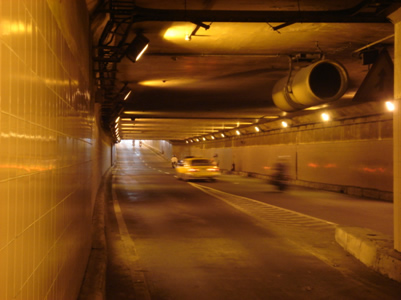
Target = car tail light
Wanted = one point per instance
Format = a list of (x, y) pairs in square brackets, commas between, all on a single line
[(214, 169), (193, 170)]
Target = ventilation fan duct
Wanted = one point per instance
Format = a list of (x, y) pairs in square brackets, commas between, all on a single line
[(321, 82)]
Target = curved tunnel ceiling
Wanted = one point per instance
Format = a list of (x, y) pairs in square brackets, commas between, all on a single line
[(223, 76)]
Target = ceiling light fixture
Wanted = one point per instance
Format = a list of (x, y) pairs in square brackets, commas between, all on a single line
[(137, 48), (127, 95), (238, 132), (257, 129)]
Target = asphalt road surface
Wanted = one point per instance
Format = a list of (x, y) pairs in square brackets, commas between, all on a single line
[(236, 238)]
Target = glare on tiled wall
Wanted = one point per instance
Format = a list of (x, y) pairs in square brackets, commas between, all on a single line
[(45, 172)]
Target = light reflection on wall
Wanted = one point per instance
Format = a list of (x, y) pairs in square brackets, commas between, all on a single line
[(46, 129), (363, 169), (326, 166), (374, 170), (178, 32), (28, 168), (8, 27)]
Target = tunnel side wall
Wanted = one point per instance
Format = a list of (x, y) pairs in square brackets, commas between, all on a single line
[(352, 156), (52, 154)]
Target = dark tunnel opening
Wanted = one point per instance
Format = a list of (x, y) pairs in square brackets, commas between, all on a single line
[(325, 81)]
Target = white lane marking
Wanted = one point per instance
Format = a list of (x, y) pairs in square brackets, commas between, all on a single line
[(268, 214), (263, 210), (141, 287)]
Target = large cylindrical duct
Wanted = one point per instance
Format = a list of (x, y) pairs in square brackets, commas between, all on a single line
[(318, 83)]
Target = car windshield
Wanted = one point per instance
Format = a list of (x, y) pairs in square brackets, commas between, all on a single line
[(201, 162)]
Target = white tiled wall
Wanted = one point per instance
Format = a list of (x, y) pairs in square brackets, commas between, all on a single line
[(46, 142)]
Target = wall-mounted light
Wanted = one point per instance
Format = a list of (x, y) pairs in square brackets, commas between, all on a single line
[(285, 123), (325, 117), (137, 47), (390, 105)]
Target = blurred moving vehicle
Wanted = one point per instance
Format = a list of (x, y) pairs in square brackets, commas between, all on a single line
[(197, 168), (280, 178)]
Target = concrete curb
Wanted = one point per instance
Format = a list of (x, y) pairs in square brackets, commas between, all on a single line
[(372, 248), (94, 284)]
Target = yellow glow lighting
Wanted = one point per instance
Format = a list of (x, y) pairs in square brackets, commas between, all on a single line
[(154, 113), (126, 96), (178, 32), (325, 117), (142, 52), (238, 132), (8, 28), (167, 82), (284, 124), (257, 129), (317, 107), (390, 106)]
